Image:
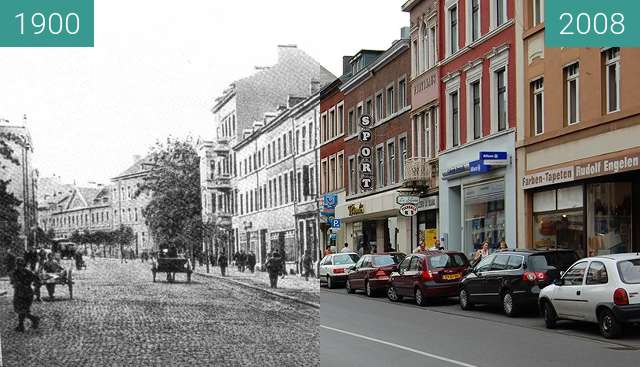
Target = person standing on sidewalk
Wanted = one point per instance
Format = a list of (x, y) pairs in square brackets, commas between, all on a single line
[(22, 278), (251, 261), (242, 260), (307, 265), (222, 262), (274, 267)]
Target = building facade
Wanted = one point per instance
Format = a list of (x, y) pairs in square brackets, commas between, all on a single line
[(128, 208), (477, 53), (579, 170), (378, 87)]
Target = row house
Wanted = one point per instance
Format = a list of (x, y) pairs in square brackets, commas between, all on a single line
[(477, 51), (378, 87), (247, 100), (577, 146), (128, 207), (276, 195)]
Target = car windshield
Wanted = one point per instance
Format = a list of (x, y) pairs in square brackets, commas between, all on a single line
[(446, 261), (384, 260), (629, 271), (345, 259)]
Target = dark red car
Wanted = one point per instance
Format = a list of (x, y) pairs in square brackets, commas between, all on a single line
[(371, 273), (427, 275)]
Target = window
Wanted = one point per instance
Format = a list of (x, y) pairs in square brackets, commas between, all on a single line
[(297, 141), (501, 96), (340, 171), (332, 124), (358, 116), (280, 190), (597, 274), (268, 156), (351, 122), (286, 188), (612, 72), (379, 107), (352, 175), (537, 88), (291, 186), (453, 29), (475, 20), (575, 275), (324, 177), (323, 128), (340, 130), (476, 114), (455, 119), (390, 98), (432, 46), (312, 141), (416, 58), (403, 156), (312, 187), (332, 173), (304, 139), (299, 184), (424, 62), (391, 153), (270, 195), (572, 85), (485, 263), (629, 271), (368, 107), (500, 263), (380, 168), (279, 149), (402, 94), (501, 12), (538, 12)]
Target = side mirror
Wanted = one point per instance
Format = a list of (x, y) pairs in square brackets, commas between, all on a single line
[(559, 282)]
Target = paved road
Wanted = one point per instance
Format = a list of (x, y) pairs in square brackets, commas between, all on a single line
[(359, 331), (119, 317)]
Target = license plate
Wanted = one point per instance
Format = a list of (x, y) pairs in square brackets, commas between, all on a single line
[(451, 276)]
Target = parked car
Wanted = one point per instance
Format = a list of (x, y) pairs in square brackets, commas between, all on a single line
[(428, 274), (513, 279), (333, 268), (603, 289), (371, 272)]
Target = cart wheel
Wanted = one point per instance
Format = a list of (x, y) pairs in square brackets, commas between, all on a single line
[(70, 280)]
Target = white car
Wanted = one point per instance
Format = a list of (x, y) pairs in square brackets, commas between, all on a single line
[(603, 289), (334, 268)]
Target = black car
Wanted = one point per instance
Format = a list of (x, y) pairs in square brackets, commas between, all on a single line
[(513, 279)]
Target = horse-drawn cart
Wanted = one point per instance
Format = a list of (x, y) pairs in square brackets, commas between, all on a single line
[(171, 266), (50, 280)]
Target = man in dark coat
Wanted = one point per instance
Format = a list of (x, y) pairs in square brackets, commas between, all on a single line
[(274, 267), (31, 258), (307, 265), (9, 261), (242, 259), (222, 262), (53, 270), (251, 261), (236, 259), (22, 278)]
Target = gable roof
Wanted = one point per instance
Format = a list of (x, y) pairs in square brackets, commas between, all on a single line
[(137, 168)]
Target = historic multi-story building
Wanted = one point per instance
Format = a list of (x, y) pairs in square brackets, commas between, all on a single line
[(21, 177), (424, 88), (50, 191), (477, 112), (246, 101), (378, 87), (578, 148), (128, 208)]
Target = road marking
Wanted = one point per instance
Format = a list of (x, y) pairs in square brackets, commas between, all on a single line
[(434, 356)]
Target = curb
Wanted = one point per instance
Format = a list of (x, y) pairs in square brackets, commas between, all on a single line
[(274, 293)]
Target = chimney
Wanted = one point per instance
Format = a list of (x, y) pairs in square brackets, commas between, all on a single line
[(136, 158), (269, 116), (346, 64), (284, 51), (315, 86), (246, 133), (405, 33)]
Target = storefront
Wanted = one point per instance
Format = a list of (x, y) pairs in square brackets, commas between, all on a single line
[(591, 206), (426, 221), (477, 187)]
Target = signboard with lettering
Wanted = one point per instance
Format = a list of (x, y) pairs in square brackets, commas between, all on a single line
[(456, 171), (330, 201), (478, 167), (406, 199), (366, 173), (428, 203), (408, 210), (355, 209), (494, 158)]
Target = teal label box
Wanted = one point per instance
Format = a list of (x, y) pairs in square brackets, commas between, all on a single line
[(46, 23), (592, 23)]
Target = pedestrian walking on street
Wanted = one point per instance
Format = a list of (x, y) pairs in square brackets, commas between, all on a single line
[(236, 259), (482, 253), (307, 265), (123, 256), (346, 248), (22, 278), (242, 260), (223, 262), (251, 261), (274, 267)]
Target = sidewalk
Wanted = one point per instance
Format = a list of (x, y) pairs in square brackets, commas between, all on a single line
[(292, 285)]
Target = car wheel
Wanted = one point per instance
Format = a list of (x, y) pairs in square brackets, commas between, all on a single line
[(464, 300), (508, 305), (367, 288), (420, 298), (610, 328), (349, 289), (330, 284), (549, 315), (393, 295)]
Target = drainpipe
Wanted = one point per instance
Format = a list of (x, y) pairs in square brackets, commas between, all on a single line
[(295, 186)]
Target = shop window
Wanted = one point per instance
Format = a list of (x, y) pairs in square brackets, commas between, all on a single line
[(484, 215), (558, 220), (609, 218)]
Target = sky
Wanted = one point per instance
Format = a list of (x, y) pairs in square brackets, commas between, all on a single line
[(157, 67)]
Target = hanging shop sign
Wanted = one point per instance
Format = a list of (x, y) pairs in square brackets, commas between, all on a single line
[(365, 136), (428, 203), (408, 210), (330, 201), (355, 209), (407, 199), (494, 158), (335, 223), (478, 167)]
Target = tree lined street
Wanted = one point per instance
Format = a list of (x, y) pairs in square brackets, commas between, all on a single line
[(119, 317)]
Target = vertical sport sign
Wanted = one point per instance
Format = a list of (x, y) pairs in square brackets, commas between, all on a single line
[(366, 169)]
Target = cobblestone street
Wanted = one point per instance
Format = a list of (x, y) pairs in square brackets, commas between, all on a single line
[(119, 317)]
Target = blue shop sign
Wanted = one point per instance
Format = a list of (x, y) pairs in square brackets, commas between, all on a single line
[(478, 167), (494, 158), (456, 171), (330, 201)]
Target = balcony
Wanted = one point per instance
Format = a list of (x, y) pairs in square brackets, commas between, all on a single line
[(222, 148), (219, 183), (421, 173)]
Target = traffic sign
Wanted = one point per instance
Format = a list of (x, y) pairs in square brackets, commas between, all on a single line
[(333, 237), (407, 199), (408, 210), (335, 223)]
